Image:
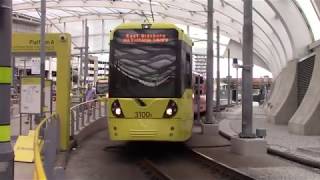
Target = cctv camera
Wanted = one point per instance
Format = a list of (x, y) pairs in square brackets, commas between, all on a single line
[(63, 37)]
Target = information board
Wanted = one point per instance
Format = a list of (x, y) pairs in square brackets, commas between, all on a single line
[(35, 66), (30, 99)]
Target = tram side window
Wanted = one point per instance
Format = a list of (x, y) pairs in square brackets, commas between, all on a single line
[(188, 77)]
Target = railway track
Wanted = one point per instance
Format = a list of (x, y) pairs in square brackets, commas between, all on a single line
[(178, 166), (152, 171), (224, 170)]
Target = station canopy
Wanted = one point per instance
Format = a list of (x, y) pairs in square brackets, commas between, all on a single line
[(283, 29)]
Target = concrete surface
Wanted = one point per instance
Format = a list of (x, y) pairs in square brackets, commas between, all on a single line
[(305, 120), (210, 129), (199, 140), (284, 104), (274, 92), (248, 146), (264, 167), (278, 136), (94, 160), (23, 171)]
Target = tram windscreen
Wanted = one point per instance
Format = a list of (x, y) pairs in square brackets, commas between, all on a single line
[(144, 63)]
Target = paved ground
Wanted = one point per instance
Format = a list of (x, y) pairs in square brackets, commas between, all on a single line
[(23, 171), (278, 136), (94, 160), (264, 167)]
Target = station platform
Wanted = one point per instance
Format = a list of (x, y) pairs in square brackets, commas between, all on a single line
[(304, 148)]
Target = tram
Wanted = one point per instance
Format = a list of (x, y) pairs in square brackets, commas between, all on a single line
[(150, 83)]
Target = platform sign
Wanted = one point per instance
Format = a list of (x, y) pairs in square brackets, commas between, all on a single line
[(30, 100), (58, 45), (35, 66)]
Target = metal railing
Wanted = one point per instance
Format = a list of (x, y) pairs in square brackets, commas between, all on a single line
[(86, 113), (46, 147), (46, 142)]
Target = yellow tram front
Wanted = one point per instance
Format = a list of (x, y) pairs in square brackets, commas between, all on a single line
[(150, 93)]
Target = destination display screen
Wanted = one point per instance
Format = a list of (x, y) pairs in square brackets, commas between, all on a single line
[(146, 36)]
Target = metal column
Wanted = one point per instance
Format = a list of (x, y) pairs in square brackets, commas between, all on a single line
[(228, 78), (6, 152), (80, 71), (237, 85), (103, 48), (218, 71), (86, 56), (247, 52), (42, 54), (81, 67), (103, 35), (209, 92)]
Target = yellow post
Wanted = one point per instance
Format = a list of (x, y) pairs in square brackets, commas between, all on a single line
[(59, 45)]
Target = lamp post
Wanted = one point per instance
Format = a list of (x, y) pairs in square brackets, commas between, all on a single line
[(228, 79), (218, 71), (236, 65), (266, 82)]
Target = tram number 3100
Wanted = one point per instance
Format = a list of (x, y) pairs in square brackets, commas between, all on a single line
[(143, 115)]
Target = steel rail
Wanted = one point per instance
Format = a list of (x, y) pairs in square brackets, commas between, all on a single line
[(152, 170), (219, 167)]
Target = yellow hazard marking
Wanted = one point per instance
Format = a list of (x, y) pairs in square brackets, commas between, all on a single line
[(23, 149), (4, 133), (5, 75)]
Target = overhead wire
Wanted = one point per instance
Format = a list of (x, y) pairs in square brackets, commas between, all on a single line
[(151, 10)]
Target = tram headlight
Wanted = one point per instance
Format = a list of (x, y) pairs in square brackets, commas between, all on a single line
[(171, 109), (116, 109)]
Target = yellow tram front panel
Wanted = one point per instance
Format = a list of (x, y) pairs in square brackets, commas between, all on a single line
[(143, 119)]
